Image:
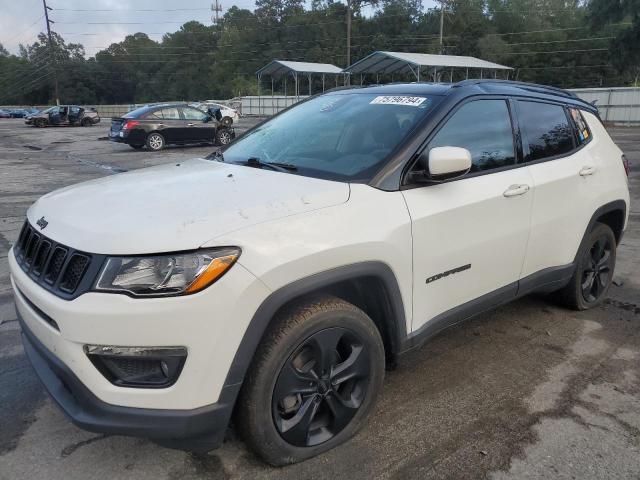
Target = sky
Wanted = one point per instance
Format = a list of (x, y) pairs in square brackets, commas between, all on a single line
[(98, 23)]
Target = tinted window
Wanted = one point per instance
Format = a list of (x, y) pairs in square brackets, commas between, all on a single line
[(193, 114), (156, 114), (546, 129), (582, 130), (341, 136), (484, 128), (170, 113)]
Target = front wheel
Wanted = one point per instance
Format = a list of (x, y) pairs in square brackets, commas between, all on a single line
[(155, 142), (592, 278), (312, 382), (86, 122), (40, 123)]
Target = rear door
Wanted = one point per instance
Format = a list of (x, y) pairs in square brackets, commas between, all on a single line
[(173, 127), (470, 233), (197, 129), (564, 176)]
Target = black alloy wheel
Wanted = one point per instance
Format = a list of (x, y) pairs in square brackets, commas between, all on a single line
[(597, 269), (593, 274), (320, 387), (313, 380)]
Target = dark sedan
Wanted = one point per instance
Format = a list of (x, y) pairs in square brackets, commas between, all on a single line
[(159, 125)]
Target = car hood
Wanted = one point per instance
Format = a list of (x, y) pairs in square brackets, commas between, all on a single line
[(176, 207)]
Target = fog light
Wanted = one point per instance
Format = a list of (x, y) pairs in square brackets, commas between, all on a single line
[(138, 367)]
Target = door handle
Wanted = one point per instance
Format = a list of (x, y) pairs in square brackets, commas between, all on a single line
[(515, 190), (190, 124), (586, 171), (161, 124)]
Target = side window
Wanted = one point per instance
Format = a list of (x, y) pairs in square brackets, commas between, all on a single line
[(155, 115), (170, 113), (546, 129), (582, 129), (484, 128), (193, 114)]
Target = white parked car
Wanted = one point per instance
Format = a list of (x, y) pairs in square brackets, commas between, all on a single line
[(277, 277), (229, 115)]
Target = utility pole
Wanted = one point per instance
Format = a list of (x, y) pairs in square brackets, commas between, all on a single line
[(216, 8), (348, 32), (52, 51), (441, 26)]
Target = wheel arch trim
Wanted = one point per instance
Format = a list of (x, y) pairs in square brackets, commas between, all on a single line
[(616, 205), (261, 320)]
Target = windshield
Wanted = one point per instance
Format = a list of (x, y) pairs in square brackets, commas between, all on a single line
[(340, 136)]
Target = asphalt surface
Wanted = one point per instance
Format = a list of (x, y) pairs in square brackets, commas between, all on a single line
[(530, 390)]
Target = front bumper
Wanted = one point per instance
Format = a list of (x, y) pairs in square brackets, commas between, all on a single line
[(209, 324), (90, 413)]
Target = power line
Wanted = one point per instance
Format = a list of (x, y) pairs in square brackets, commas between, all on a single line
[(8, 42), (124, 10)]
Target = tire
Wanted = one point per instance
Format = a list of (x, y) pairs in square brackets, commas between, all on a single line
[(227, 121), (40, 123), (155, 142), (223, 136), (86, 122), (137, 146), (595, 265), (316, 338)]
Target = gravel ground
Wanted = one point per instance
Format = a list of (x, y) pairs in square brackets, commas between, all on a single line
[(527, 391)]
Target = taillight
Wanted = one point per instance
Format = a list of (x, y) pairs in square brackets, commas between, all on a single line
[(625, 162), (129, 124)]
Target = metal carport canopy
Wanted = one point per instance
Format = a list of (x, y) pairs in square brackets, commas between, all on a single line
[(277, 68), (399, 62)]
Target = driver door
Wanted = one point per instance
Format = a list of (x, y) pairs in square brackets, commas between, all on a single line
[(54, 116), (470, 232), (197, 129)]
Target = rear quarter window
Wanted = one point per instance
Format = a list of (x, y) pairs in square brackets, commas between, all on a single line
[(546, 128), (583, 134)]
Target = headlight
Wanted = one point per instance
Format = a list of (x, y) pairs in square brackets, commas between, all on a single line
[(164, 275)]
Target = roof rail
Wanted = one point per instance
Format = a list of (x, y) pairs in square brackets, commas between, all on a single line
[(533, 87)]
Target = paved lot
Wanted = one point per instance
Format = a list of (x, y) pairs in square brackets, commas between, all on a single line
[(527, 391)]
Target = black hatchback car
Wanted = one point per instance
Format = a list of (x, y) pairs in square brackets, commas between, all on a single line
[(159, 125)]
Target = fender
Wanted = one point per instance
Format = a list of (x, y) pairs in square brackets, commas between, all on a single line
[(616, 205), (396, 323)]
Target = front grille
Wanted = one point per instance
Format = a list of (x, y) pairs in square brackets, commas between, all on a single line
[(58, 268)]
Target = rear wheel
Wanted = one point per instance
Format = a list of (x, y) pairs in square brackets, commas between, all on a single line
[(312, 382), (223, 136), (227, 121), (155, 142), (594, 270)]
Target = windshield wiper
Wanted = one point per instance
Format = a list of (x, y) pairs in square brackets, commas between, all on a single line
[(277, 166)]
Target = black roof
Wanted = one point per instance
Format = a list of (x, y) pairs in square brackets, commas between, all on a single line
[(467, 88)]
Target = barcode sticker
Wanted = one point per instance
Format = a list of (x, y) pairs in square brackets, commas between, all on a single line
[(398, 100)]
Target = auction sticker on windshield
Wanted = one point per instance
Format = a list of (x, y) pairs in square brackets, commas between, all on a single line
[(398, 100)]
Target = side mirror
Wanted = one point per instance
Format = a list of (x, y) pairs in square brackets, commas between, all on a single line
[(443, 163)]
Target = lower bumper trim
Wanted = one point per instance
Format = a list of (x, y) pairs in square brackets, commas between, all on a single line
[(90, 413)]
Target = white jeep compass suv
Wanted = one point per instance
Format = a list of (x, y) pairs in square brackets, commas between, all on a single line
[(275, 279)]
